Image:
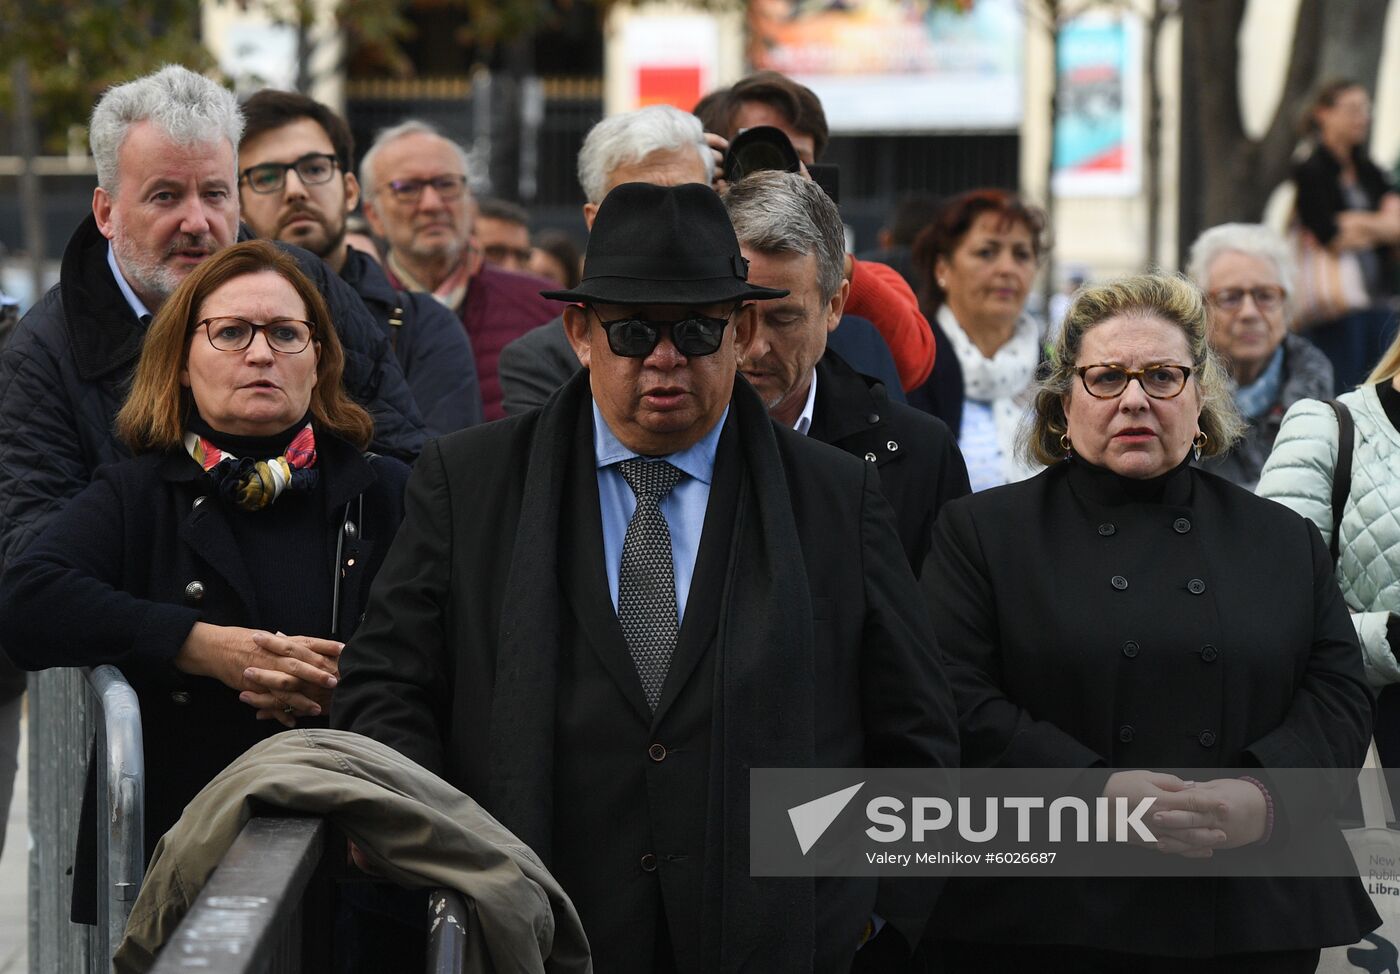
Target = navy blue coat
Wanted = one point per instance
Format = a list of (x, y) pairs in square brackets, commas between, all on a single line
[(140, 556)]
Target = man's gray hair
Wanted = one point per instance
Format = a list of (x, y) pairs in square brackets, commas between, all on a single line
[(627, 139), (189, 108), (414, 126), (784, 213), (1250, 239)]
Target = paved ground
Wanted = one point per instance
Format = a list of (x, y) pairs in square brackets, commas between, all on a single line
[(14, 882)]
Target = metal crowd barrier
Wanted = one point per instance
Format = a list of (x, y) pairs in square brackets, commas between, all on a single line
[(248, 918), (121, 804), (67, 709)]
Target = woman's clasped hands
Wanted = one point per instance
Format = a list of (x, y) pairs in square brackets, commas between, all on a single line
[(1194, 818), (282, 677)]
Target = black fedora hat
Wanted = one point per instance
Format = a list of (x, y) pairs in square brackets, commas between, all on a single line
[(663, 245)]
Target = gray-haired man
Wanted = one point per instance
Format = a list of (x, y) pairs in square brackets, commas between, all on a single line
[(790, 232)]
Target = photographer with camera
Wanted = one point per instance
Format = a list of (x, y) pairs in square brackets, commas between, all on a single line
[(746, 126)]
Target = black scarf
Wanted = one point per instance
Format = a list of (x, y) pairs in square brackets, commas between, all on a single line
[(763, 642)]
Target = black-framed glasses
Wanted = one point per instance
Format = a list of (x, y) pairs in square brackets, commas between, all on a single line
[(694, 335), (312, 169), (1108, 380), (231, 334), (448, 187), (1267, 297)]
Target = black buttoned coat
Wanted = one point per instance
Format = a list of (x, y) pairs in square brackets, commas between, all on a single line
[(1090, 621), (140, 556), (639, 800), (919, 462)]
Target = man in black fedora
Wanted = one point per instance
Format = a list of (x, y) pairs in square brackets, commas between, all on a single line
[(599, 615)]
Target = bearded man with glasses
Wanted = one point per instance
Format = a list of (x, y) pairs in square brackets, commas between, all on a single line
[(417, 198), (1247, 272), (295, 185), (592, 608)]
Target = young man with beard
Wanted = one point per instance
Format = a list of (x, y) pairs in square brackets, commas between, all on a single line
[(296, 185)]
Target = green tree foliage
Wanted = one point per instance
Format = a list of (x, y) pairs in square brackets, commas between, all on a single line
[(77, 48)]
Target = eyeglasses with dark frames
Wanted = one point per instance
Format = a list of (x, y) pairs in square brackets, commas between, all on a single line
[(228, 333), (1267, 297), (695, 335), (448, 187), (1108, 380), (313, 169)]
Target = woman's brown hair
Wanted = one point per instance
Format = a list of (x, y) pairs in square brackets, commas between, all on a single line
[(158, 405), (951, 223), (1325, 97)]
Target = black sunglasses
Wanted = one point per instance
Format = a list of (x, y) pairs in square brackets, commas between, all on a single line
[(694, 335)]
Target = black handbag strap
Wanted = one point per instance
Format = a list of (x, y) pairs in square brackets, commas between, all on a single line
[(1341, 474)]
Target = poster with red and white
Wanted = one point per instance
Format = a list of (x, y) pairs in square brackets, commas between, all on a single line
[(1098, 138)]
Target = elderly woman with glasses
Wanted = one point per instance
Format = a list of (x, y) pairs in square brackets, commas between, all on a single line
[(1247, 272), (1124, 611), (225, 565)]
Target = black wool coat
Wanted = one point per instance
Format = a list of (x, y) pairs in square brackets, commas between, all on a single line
[(634, 803), (1089, 621), (145, 552), (920, 465)]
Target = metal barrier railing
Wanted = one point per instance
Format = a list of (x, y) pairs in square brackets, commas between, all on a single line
[(120, 762), (247, 919)]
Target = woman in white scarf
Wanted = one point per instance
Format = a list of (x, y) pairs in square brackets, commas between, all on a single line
[(980, 255)]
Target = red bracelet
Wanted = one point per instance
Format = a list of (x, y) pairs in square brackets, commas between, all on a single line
[(1268, 804)]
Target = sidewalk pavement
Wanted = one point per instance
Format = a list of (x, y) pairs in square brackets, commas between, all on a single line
[(14, 873)]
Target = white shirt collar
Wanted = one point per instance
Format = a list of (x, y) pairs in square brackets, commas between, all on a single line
[(137, 305), (804, 421)]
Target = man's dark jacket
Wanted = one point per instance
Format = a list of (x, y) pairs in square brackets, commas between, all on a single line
[(65, 371), (919, 462), (495, 658), (429, 343)]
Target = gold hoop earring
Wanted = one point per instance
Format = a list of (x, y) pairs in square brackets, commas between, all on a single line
[(1066, 445), (1200, 440)]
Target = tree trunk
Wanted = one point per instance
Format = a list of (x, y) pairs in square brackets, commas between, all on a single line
[(1053, 27), (1236, 174), (1152, 165), (31, 201)]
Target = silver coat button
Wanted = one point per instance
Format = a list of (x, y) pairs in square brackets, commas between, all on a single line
[(351, 531), (892, 446), (194, 591), (197, 501), (871, 457)]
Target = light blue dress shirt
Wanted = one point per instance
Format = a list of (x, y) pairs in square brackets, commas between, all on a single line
[(138, 306), (684, 507)]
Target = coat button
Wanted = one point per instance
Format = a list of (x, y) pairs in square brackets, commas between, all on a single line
[(649, 863), (871, 457), (1195, 586), (1125, 733), (657, 752), (1181, 525), (873, 418), (351, 531), (1207, 739), (1118, 582), (891, 446), (194, 591), (198, 501), (180, 697), (1130, 649), (1107, 530), (1209, 654)]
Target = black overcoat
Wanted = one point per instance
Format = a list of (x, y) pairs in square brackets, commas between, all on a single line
[(919, 462), (634, 793), (140, 556), (1090, 621)]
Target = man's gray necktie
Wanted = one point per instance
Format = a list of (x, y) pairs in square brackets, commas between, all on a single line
[(646, 583)]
